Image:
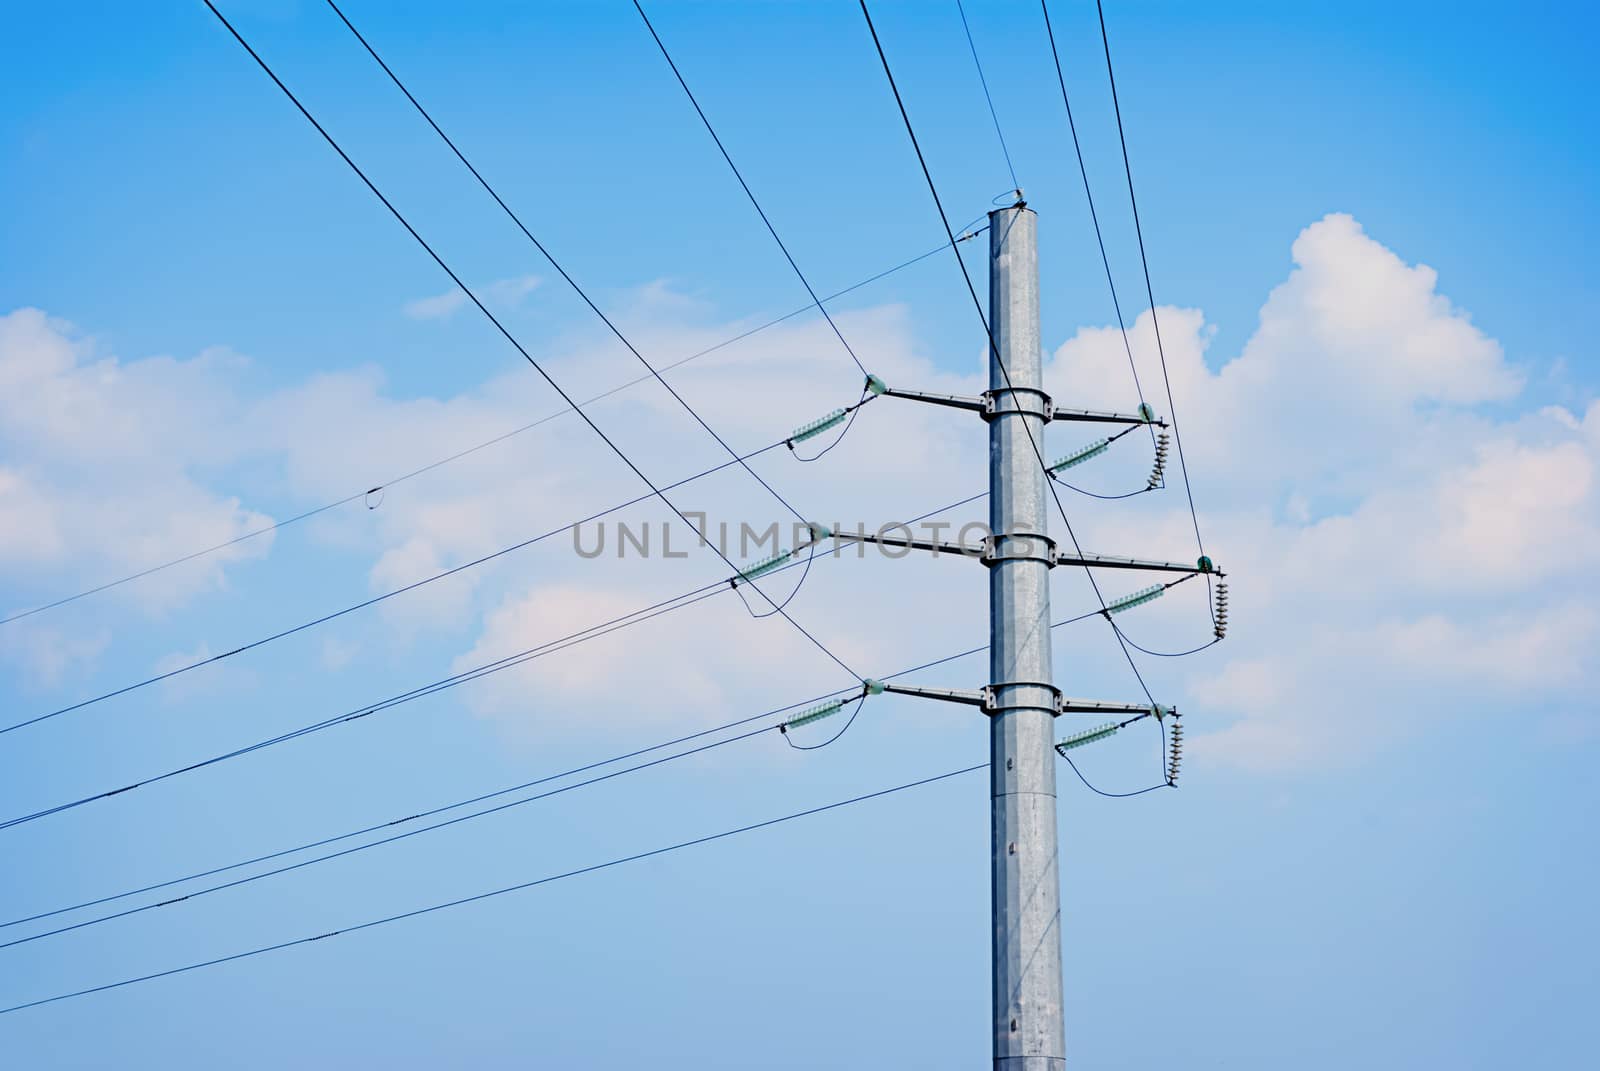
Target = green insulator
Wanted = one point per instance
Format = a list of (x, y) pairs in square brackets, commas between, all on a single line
[(1204, 565), (1146, 414), (876, 385), (1099, 446), (873, 687), (817, 427), (766, 565), (816, 713), (1138, 598), (1088, 736)]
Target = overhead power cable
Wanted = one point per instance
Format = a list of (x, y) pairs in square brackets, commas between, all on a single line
[(363, 604), (442, 824), (519, 887), (554, 263), (387, 826), (816, 301), (468, 451), (976, 62), (989, 334), (1144, 261), (484, 309), (1094, 216), (507, 662), (676, 602)]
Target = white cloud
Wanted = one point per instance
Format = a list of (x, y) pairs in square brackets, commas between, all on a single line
[(102, 457), (1422, 549)]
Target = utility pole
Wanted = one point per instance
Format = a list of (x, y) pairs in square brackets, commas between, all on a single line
[(1024, 878), (1021, 701)]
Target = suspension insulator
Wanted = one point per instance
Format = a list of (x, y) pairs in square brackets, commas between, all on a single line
[(1158, 474), (1138, 598), (1220, 609), (1175, 746), (1078, 457), (817, 427), (1088, 736), (765, 565), (816, 713)]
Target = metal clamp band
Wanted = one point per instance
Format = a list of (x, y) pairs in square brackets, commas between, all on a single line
[(991, 402)]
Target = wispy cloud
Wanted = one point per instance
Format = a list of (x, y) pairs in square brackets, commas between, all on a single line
[(506, 292)]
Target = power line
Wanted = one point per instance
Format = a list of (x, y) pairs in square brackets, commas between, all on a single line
[(502, 437), (976, 62), (746, 187), (288, 867), (481, 798), (430, 909), (557, 265), (537, 367), (1094, 216), (363, 604), (562, 643), (1144, 261), (676, 602)]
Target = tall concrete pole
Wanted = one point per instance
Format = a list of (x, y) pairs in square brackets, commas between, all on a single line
[(1026, 903)]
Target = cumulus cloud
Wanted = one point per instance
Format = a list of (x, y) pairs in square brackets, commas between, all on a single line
[(1395, 545), (103, 462)]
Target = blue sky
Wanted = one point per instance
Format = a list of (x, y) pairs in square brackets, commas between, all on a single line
[(1365, 228)]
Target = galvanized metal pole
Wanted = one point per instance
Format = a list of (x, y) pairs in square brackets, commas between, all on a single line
[(1026, 904)]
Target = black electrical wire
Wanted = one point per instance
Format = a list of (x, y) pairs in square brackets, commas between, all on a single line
[(676, 602), (976, 62), (753, 826), (1166, 783), (537, 367), (502, 437), (483, 797), (288, 867), (1111, 795), (374, 600), (746, 187), (1167, 654), (1094, 216), (1144, 262), (1106, 498), (994, 347), (593, 632), (492, 192)]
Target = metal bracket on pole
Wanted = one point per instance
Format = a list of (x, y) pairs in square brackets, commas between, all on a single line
[(987, 405), (1097, 706), (935, 547), (1094, 416), (946, 695), (1106, 561), (953, 401), (984, 698)]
